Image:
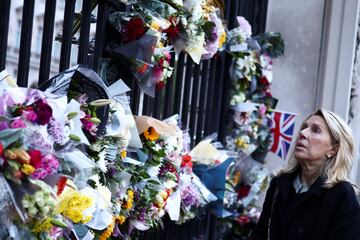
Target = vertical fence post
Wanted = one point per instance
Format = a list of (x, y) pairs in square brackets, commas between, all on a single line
[(84, 32), (178, 78), (47, 40), (100, 32), (194, 102), (67, 35), (25, 43), (187, 87), (4, 26), (169, 91), (210, 99), (202, 102)]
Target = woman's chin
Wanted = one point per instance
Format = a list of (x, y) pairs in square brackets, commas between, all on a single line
[(299, 155)]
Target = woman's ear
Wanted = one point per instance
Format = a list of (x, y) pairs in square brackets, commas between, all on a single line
[(333, 151)]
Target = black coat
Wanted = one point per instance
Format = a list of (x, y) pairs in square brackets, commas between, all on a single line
[(318, 214)]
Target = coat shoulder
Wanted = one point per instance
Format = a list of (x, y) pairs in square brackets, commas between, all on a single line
[(346, 193)]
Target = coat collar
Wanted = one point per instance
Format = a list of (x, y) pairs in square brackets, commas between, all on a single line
[(285, 183)]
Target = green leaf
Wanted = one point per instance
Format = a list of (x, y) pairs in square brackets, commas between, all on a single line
[(58, 223), (14, 165), (208, 27), (92, 183), (153, 182)]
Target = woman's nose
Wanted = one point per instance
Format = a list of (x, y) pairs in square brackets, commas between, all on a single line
[(303, 134)]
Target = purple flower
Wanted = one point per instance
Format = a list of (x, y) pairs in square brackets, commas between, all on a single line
[(190, 197), (82, 99), (3, 126), (49, 165), (212, 42), (56, 131), (244, 25), (39, 141), (33, 94)]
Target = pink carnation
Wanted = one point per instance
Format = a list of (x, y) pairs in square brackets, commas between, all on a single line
[(49, 165), (262, 109), (157, 72), (30, 115), (18, 123)]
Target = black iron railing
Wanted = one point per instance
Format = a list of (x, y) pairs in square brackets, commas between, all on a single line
[(198, 93)]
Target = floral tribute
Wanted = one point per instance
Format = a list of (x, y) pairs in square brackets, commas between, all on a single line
[(66, 178), (148, 40), (249, 132), (69, 173)]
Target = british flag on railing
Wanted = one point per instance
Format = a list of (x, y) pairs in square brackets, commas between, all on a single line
[(282, 130)]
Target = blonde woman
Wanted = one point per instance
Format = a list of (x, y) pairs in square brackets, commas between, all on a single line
[(312, 198)]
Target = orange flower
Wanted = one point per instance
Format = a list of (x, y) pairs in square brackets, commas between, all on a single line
[(106, 234), (151, 134), (142, 68)]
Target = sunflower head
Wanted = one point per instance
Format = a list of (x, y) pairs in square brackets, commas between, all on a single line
[(151, 134)]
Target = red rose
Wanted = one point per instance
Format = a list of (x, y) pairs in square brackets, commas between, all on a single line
[(186, 161), (172, 31), (243, 220), (243, 191), (1, 149), (43, 112), (35, 158), (263, 80), (134, 29), (61, 185), (161, 63), (160, 85), (268, 93)]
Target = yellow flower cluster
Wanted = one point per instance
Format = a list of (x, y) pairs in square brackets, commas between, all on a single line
[(222, 39), (160, 198), (123, 154), (108, 231), (42, 226), (240, 143), (72, 206), (120, 219), (129, 202), (27, 169), (154, 25), (151, 134)]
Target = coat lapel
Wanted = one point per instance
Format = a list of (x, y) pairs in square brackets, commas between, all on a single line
[(316, 189)]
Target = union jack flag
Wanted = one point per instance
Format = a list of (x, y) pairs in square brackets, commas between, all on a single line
[(282, 130)]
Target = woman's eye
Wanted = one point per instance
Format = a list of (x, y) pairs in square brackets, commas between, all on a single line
[(316, 130)]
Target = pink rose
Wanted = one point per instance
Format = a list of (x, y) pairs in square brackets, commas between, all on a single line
[(157, 72), (18, 123), (262, 109)]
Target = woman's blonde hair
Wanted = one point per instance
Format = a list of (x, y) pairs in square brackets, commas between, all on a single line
[(338, 167)]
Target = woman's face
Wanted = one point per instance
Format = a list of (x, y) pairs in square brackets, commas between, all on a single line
[(314, 141)]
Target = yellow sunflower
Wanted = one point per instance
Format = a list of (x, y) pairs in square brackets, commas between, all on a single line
[(151, 134)]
